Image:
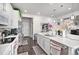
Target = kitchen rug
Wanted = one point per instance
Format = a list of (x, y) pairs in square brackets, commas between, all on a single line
[(23, 42), (38, 50)]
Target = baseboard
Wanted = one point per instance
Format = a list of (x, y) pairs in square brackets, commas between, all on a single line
[(28, 37)]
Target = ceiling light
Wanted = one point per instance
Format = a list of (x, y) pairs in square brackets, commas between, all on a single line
[(54, 21), (61, 20), (72, 17), (69, 8), (54, 9), (61, 5)]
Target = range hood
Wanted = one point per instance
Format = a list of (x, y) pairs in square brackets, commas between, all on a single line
[(3, 19)]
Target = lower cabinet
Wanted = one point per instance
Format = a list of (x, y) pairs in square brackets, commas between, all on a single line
[(47, 46), (51, 47), (44, 43)]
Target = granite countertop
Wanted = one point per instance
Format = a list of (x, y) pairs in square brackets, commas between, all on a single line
[(63, 40)]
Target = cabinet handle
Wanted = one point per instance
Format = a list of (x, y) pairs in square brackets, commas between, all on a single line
[(55, 48), (55, 45)]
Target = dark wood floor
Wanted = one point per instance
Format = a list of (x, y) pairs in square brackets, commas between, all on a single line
[(27, 48)]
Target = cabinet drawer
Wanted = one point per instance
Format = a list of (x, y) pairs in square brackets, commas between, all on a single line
[(55, 50), (58, 48), (1, 6)]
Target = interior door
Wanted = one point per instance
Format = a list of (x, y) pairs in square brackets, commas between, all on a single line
[(27, 27)]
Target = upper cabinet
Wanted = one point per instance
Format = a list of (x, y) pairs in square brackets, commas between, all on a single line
[(5, 10), (13, 19), (3, 19), (8, 16), (5, 7), (1, 6), (8, 7)]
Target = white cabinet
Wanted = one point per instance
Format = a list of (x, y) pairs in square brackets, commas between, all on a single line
[(14, 17), (5, 7), (47, 45), (44, 43), (5, 14), (1, 6), (3, 18), (39, 40), (8, 7)]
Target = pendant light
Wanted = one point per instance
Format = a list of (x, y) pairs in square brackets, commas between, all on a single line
[(72, 16), (53, 16)]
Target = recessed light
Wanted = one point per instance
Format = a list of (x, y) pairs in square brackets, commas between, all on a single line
[(61, 5), (69, 8), (54, 9), (54, 21), (61, 20)]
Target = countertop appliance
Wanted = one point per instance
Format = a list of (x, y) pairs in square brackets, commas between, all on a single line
[(75, 32), (4, 34), (14, 31), (59, 33)]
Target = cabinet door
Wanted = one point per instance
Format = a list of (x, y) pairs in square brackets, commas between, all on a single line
[(8, 7), (15, 18), (44, 43), (47, 45), (4, 18), (5, 7), (38, 39), (1, 6)]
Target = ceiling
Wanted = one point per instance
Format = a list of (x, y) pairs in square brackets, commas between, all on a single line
[(47, 9)]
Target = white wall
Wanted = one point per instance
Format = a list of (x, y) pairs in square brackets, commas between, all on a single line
[(37, 20)]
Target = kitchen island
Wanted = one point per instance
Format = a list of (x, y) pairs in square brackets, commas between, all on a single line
[(9, 48), (62, 42)]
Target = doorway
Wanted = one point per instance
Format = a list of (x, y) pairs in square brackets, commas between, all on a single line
[(27, 27)]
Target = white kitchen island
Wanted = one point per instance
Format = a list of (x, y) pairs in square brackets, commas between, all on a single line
[(9, 48), (45, 42)]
